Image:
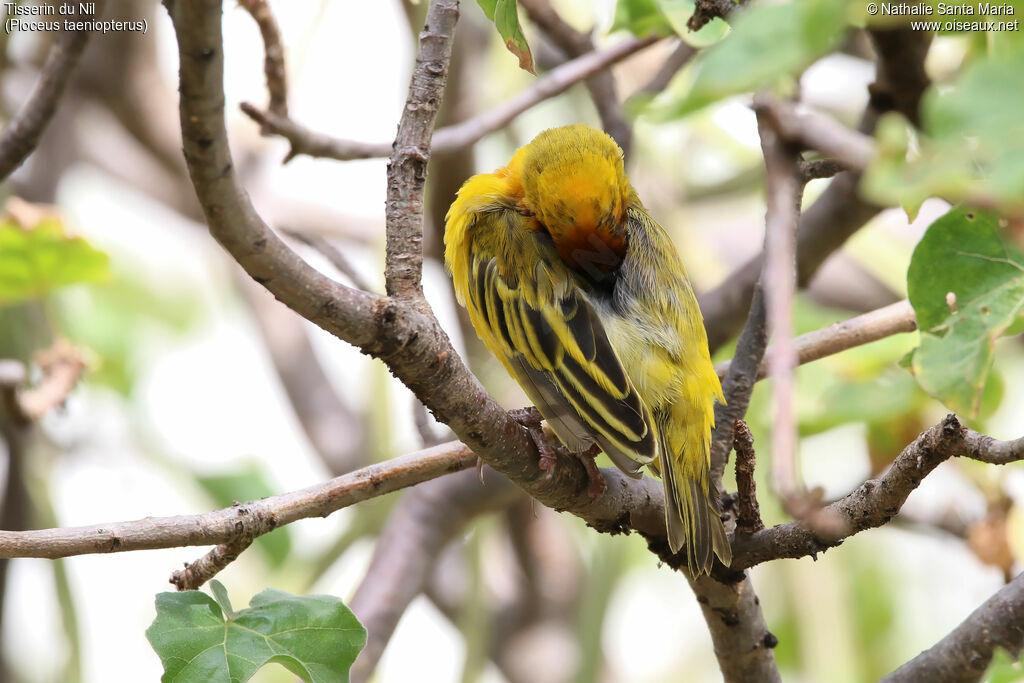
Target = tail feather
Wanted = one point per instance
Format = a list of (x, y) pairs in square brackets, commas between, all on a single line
[(692, 520)]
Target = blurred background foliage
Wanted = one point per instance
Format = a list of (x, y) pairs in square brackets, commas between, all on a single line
[(193, 396)]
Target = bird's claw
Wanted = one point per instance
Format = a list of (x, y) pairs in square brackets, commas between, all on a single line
[(530, 419)]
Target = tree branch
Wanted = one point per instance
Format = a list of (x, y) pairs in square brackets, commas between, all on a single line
[(965, 654), (798, 124), (876, 501), (629, 505), (863, 329), (706, 10), (407, 169), (273, 60), (782, 218), (459, 135), (224, 526), (748, 513), (22, 134)]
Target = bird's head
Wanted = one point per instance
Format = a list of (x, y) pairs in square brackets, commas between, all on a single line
[(575, 185)]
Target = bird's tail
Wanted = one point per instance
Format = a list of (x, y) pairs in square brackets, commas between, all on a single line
[(692, 518)]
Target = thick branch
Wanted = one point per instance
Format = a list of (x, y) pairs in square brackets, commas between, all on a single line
[(459, 135), (964, 655), (743, 643), (232, 219), (22, 134), (407, 169)]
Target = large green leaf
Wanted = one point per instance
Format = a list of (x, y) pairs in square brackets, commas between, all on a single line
[(250, 483), (315, 637), (505, 15), (972, 145), (35, 261), (768, 42), (966, 284)]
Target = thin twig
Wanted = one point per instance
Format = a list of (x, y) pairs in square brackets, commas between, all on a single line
[(781, 220), (819, 168), (195, 574), (22, 134), (863, 329), (797, 124), (748, 512), (333, 255), (273, 60), (262, 515), (459, 135), (677, 59), (738, 382)]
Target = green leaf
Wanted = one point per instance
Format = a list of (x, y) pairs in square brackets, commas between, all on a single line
[(505, 15), (641, 18), (1004, 668), (678, 13), (250, 483), (315, 637), (966, 285), (971, 147), (768, 43), (35, 261), (220, 594)]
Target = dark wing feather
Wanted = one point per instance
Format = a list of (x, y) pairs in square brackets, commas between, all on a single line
[(561, 355)]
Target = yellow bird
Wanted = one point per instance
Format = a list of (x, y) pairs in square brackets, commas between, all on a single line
[(581, 295)]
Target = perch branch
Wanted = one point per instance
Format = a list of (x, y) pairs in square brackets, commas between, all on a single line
[(639, 500)]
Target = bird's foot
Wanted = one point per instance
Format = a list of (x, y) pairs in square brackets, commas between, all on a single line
[(596, 484), (530, 419)]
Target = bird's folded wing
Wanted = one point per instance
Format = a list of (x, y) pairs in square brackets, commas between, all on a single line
[(560, 349)]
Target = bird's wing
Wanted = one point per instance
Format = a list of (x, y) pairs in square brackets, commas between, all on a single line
[(560, 354)]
